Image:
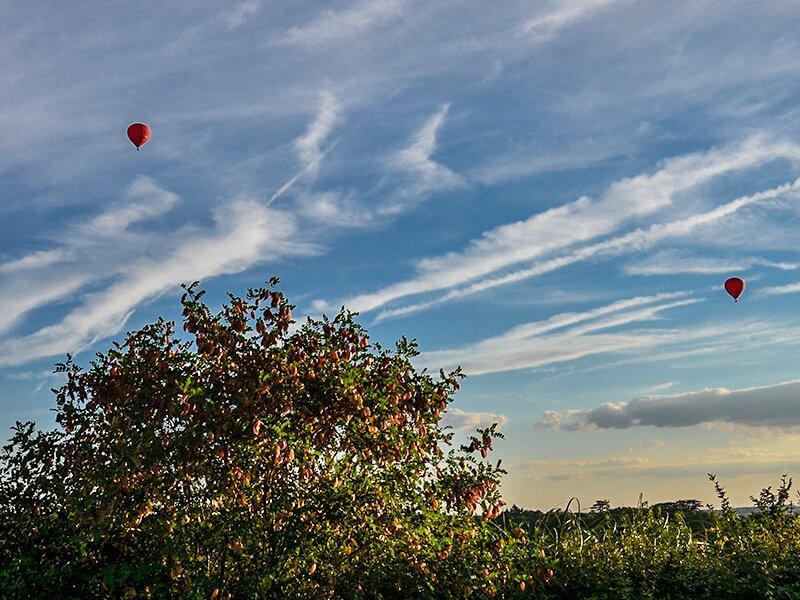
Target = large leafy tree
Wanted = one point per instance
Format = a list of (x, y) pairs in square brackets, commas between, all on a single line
[(251, 458)]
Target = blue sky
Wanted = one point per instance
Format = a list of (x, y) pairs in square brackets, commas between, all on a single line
[(550, 194)]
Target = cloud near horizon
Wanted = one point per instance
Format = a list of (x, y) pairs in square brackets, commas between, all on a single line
[(775, 406), (461, 419)]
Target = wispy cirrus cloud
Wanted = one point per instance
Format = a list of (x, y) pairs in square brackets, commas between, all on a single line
[(565, 337), (779, 290), (671, 262), (564, 13), (426, 176), (334, 26), (309, 146), (412, 175), (560, 228), (242, 11), (35, 260), (639, 239), (47, 276), (144, 200), (140, 265), (631, 331), (768, 406), (334, 209), (21, 295), (137, 266), (331, 208), (518, 163)]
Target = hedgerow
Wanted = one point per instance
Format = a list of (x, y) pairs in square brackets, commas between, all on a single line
[(252, 457)]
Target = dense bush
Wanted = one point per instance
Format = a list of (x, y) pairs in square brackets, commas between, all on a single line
[(252, 458), (249, 461)]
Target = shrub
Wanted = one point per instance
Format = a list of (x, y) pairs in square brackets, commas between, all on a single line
[(252, 459)]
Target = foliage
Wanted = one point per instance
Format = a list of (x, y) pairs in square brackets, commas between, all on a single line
[(255, 458), (652, 552), (250, 460)]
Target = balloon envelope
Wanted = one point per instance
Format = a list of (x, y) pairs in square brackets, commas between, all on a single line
[(138, 134), (735, 286)]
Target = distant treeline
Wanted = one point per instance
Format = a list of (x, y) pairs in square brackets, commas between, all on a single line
[(696, 516)]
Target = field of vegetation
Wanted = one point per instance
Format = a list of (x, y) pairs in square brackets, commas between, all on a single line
[(247, 458)]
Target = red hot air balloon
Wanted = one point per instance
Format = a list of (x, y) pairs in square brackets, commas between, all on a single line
[(138, 134), (735, 286)]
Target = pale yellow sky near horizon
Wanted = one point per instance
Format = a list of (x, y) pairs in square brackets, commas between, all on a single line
[(670, 465)]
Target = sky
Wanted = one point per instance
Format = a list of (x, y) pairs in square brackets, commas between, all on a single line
[(550, 194)]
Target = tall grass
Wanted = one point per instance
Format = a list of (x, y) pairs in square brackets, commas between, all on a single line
[(646, 554)]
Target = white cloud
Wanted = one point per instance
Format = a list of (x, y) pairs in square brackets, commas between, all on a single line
[(673, 263), (570, 336), (19, 296), (559, 228), (659, 387), (639, 239), (309, 146), (145, 200), (88, 252), (461, 419), (427, 175), (769, 406), (338, 26), (242, 12), (564, 337), (791, 288), (421, 175), (244, 233), (333, 209), (564, 13), (35, 260), (127, 268), (563, 320), (516, 164)]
